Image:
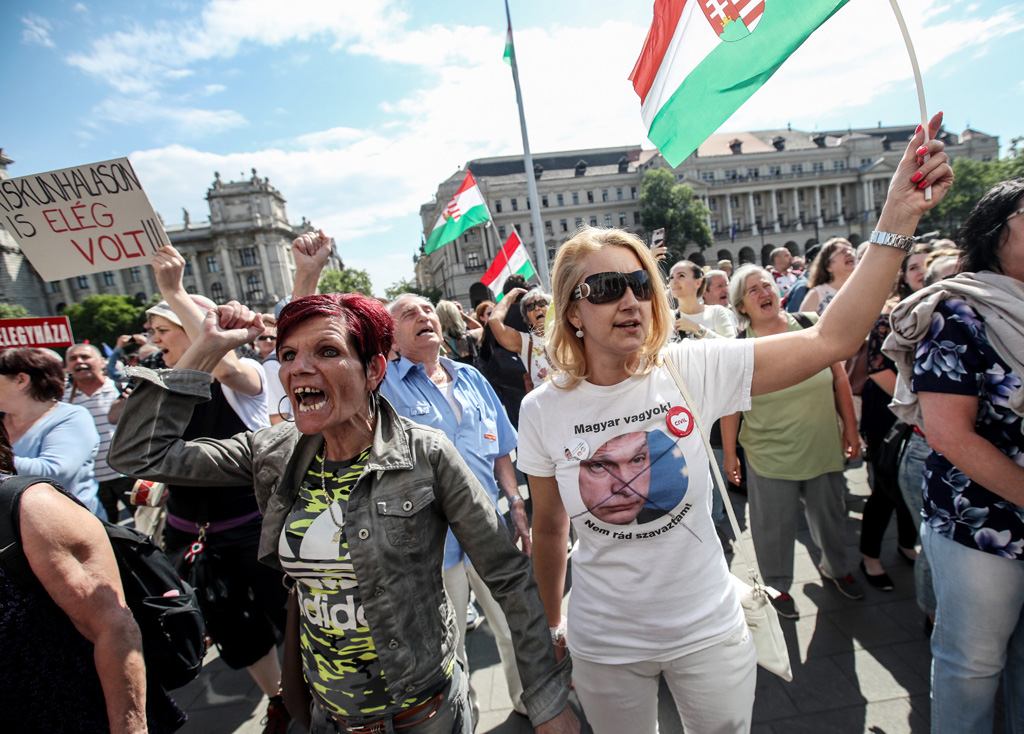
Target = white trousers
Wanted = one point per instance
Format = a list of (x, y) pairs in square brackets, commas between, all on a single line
[(713, 690), (458, 580)]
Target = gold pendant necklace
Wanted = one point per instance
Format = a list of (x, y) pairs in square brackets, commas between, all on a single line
[(330, 504)]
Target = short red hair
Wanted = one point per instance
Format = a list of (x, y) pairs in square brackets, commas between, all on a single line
[(368, 323)]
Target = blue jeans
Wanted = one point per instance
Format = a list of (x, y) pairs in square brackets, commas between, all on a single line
[(979, 635), (453, 716), (912, 488)]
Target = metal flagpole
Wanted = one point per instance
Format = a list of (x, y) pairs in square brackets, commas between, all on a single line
[(917, 79), (540, 249)]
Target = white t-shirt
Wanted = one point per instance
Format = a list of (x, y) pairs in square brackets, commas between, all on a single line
[(719, 319), (252, 409), (650, 581)]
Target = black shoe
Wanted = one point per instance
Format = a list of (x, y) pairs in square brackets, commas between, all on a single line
[(785, 605), (847, 585), (882, 582)]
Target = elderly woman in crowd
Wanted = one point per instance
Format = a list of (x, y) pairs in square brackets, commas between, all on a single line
[(534, 306), (49, 438), (796, 441), (355, 505), (70, 649), (959, 346), (680, 617), (830, 270)]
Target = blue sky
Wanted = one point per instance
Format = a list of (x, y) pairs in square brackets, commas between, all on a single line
[(357, 110)]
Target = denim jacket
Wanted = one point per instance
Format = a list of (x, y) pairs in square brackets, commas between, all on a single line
[(413, 487)]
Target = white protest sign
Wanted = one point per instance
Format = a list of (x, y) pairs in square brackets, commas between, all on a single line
[(81, 220)]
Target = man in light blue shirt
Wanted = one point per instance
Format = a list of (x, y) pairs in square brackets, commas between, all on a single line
[(457, 399)]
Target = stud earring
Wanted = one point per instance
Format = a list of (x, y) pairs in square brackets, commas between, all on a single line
[(579, 333)]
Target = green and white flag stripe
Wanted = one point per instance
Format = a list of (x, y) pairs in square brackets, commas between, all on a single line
[(466, 209)]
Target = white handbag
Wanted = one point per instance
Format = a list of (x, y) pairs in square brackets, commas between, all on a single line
[(762, 619)]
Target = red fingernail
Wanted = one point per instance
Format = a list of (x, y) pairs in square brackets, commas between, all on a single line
[(918, 130), (922, 185), (923, 150), (917, 177)]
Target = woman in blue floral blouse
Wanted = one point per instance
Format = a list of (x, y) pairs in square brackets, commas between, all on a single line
[(966, 372)]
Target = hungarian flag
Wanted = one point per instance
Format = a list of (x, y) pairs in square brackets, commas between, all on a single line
[(703, 59), (511, 259), (466, 209)]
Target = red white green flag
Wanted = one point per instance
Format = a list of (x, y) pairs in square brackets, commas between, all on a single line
[(703, 59), (465, 210), (511, 259)]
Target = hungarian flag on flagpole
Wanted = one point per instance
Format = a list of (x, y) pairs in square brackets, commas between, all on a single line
[(511, 259), (703, 59), (465, 210)]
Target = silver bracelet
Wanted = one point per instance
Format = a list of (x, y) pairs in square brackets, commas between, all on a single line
[(558, 633), (899, 241)]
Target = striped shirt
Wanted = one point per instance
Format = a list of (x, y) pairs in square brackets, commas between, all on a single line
[(98, 405)]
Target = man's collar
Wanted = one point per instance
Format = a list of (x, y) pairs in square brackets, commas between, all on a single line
[(405, 364)]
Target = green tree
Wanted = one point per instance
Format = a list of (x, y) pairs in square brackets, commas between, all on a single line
[(12, 311), (348, 280), (101, 319), (674, 206), (432, 294)]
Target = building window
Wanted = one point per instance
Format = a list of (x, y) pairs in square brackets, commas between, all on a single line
[(818, 167), (757, 200), (531, 229), (839, 165), (544, 201), (753, 172), (758, 220), (707, 175), (593, 221), (734, 201), (528, 203), (82, 282), (636, 217), (778, 196), (865, 161), (548, 228), (590, 197), (618, 194), (607, 220), (211, 264), (774, 170), (135, 275), (53, 286), (563, 225), (714, 226), (497, 205), (731, 174), (249, 256), (254, 288), (188, 267), (632, 192), (560, 198), (800, 195), (579, 222), (191, 289), (515, 205), (217, 293), (622, 219), (472, 259), (501, 232), (604, 194), (551, 254), (713, 205), (108, 277), (796, 168)]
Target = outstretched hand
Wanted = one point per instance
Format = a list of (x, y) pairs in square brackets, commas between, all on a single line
[(914, 174)]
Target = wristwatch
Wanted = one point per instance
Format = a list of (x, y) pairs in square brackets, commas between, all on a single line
[(515, 497), (701, 332), (900, 241)]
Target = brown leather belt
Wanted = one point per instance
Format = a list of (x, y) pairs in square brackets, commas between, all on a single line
[(410, 717)]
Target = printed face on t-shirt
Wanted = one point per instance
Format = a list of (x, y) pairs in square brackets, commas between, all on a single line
[(616, 479)]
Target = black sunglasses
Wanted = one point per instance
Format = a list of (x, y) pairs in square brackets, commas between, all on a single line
[(608, 287), (266, 338)]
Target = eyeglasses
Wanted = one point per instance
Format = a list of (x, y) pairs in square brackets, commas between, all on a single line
[(265, 338), (1019, 211), (607, 287), (530, 308)]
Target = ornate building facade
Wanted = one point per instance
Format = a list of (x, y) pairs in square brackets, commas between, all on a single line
[(242, 253), (764, 189)]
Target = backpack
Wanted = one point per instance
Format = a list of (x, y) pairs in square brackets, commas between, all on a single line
[(173, 633)]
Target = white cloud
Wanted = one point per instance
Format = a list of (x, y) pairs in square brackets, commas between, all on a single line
[(186, 122), (211, 89), (37, 31)]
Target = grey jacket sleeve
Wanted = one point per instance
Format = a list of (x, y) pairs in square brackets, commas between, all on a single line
[(148, 445), (508, 573)]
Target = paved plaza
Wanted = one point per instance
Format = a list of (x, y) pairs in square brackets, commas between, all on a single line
[(859, 666)]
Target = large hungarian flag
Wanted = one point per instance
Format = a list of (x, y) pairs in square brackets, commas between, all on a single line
[(511, 259), (466, 209), (703, 59)]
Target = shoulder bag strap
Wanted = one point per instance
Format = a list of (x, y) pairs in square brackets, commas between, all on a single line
[(748, 561)]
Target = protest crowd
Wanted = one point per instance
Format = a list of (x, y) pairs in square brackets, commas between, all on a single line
[(349, 485)]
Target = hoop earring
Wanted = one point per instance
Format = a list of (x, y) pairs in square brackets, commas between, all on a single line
[(371, 405), (281, 412), (579, 333)]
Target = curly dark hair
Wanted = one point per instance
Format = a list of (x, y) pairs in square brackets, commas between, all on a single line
[(983, 232)]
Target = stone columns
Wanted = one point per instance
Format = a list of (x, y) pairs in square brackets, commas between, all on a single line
[(753, 218), (839, 204), (775, 211)]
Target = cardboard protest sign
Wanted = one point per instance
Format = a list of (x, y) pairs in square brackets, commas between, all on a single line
[(49, 331), (82, 220)]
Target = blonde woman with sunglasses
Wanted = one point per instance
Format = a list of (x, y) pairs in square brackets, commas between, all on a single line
[(609, 446)]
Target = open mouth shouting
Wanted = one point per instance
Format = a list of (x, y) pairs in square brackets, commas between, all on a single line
[(309, 399)]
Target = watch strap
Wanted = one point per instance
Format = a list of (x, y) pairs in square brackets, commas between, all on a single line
[(899, 241)]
